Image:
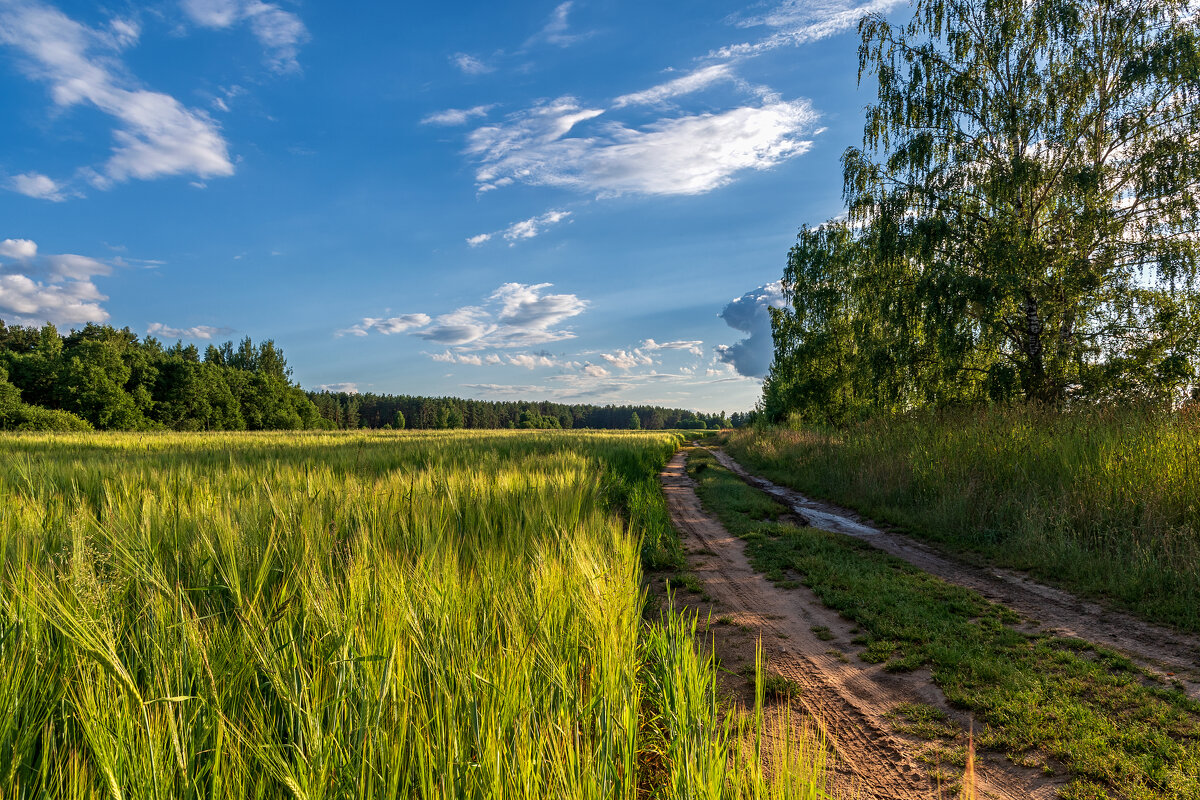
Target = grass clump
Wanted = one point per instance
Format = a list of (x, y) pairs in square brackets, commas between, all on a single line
[(1086, 706), (1101, 501)]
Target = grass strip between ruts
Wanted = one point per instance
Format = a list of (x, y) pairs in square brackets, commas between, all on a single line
[(1117, 731)]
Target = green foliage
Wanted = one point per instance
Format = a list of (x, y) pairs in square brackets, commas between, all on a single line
[(1023, 216), (635, 422), (359, 615), (116, 382)]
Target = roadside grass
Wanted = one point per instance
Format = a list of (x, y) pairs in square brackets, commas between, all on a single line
[(353, 615), (1103, 502), (1118, 732)]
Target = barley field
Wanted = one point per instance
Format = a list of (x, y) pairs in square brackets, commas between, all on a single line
[(327, 615)]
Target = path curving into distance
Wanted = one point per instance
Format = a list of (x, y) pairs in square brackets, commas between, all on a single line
[(847, 701), (1171, 654)]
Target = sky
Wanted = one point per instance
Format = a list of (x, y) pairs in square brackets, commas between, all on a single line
[(587, 201)]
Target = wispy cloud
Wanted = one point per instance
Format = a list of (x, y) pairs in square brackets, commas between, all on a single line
[(682, 155), (694, 81), (36, 288), (525, 229), (279, 32), (470, 65), (456, 116), (515, 315), (627, 359), (349, 387), (695, 347), (557, 29), (156, 135), (204, 332), (798, 22)]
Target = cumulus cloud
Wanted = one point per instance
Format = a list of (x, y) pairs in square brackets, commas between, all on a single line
[(695, 347), (205, 332), (627, 359), (279, 32), (470, 65), (156, 134), (515, 315), (684, 155), (525, 229), (58, 288), (749, 313), (456, 116), (34, 184), (387, 326), (595, 371), (458, 358)]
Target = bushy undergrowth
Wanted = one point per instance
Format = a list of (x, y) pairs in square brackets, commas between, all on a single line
[(347, 615), (1105, 502)]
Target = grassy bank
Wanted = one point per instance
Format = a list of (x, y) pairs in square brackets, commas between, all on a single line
[(349, 615), (1104, 503), (1050, 702)]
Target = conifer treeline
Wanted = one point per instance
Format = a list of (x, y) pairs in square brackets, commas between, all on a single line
[(389, 411), (108, 379)]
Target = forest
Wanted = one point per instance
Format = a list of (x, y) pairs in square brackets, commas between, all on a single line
[(107, 379)]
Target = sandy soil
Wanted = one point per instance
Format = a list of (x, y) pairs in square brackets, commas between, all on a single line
[(1172, 655), (846, 700)]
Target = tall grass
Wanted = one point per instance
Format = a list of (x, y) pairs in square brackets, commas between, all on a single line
[(1105, 502), (348, 615)]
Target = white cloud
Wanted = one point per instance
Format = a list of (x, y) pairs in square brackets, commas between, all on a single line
[(198, 332), (470, 65), (531, 360), (458, 358), (674, 156), (749, 313), (157, 135), (686, 84), (798, 22), (627, 360), (57, 288), (279, 32), (387, 326), (493, 358), (525, 229), (515, 315), (22, 249), (456, 116), (35, 184), (595, 371), (695, 347), (556, 29), (349, 387)]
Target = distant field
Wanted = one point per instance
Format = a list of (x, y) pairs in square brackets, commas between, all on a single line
[(453, 614), (1106, 503)]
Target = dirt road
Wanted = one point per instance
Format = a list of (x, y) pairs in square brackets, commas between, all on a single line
[(1170, 654), (848, 701)]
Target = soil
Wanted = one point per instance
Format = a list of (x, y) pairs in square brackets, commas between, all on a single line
[(848, 702), (1171, 655)]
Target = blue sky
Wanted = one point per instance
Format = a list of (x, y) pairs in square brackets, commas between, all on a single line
[(584, 201)]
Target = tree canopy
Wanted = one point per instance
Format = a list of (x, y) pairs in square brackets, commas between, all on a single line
[(1022, 215)]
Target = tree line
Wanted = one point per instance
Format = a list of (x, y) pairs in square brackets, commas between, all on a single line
[(103, 378), (350, 410), (1022, 218)]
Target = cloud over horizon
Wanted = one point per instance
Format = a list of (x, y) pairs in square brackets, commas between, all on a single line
[(37, 288), (751, 357)]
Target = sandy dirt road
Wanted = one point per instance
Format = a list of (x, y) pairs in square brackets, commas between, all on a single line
[(1170, 654), (847, 700)]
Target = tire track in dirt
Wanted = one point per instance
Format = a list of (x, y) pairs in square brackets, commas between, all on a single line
[(1170, 654), (848, 702)]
